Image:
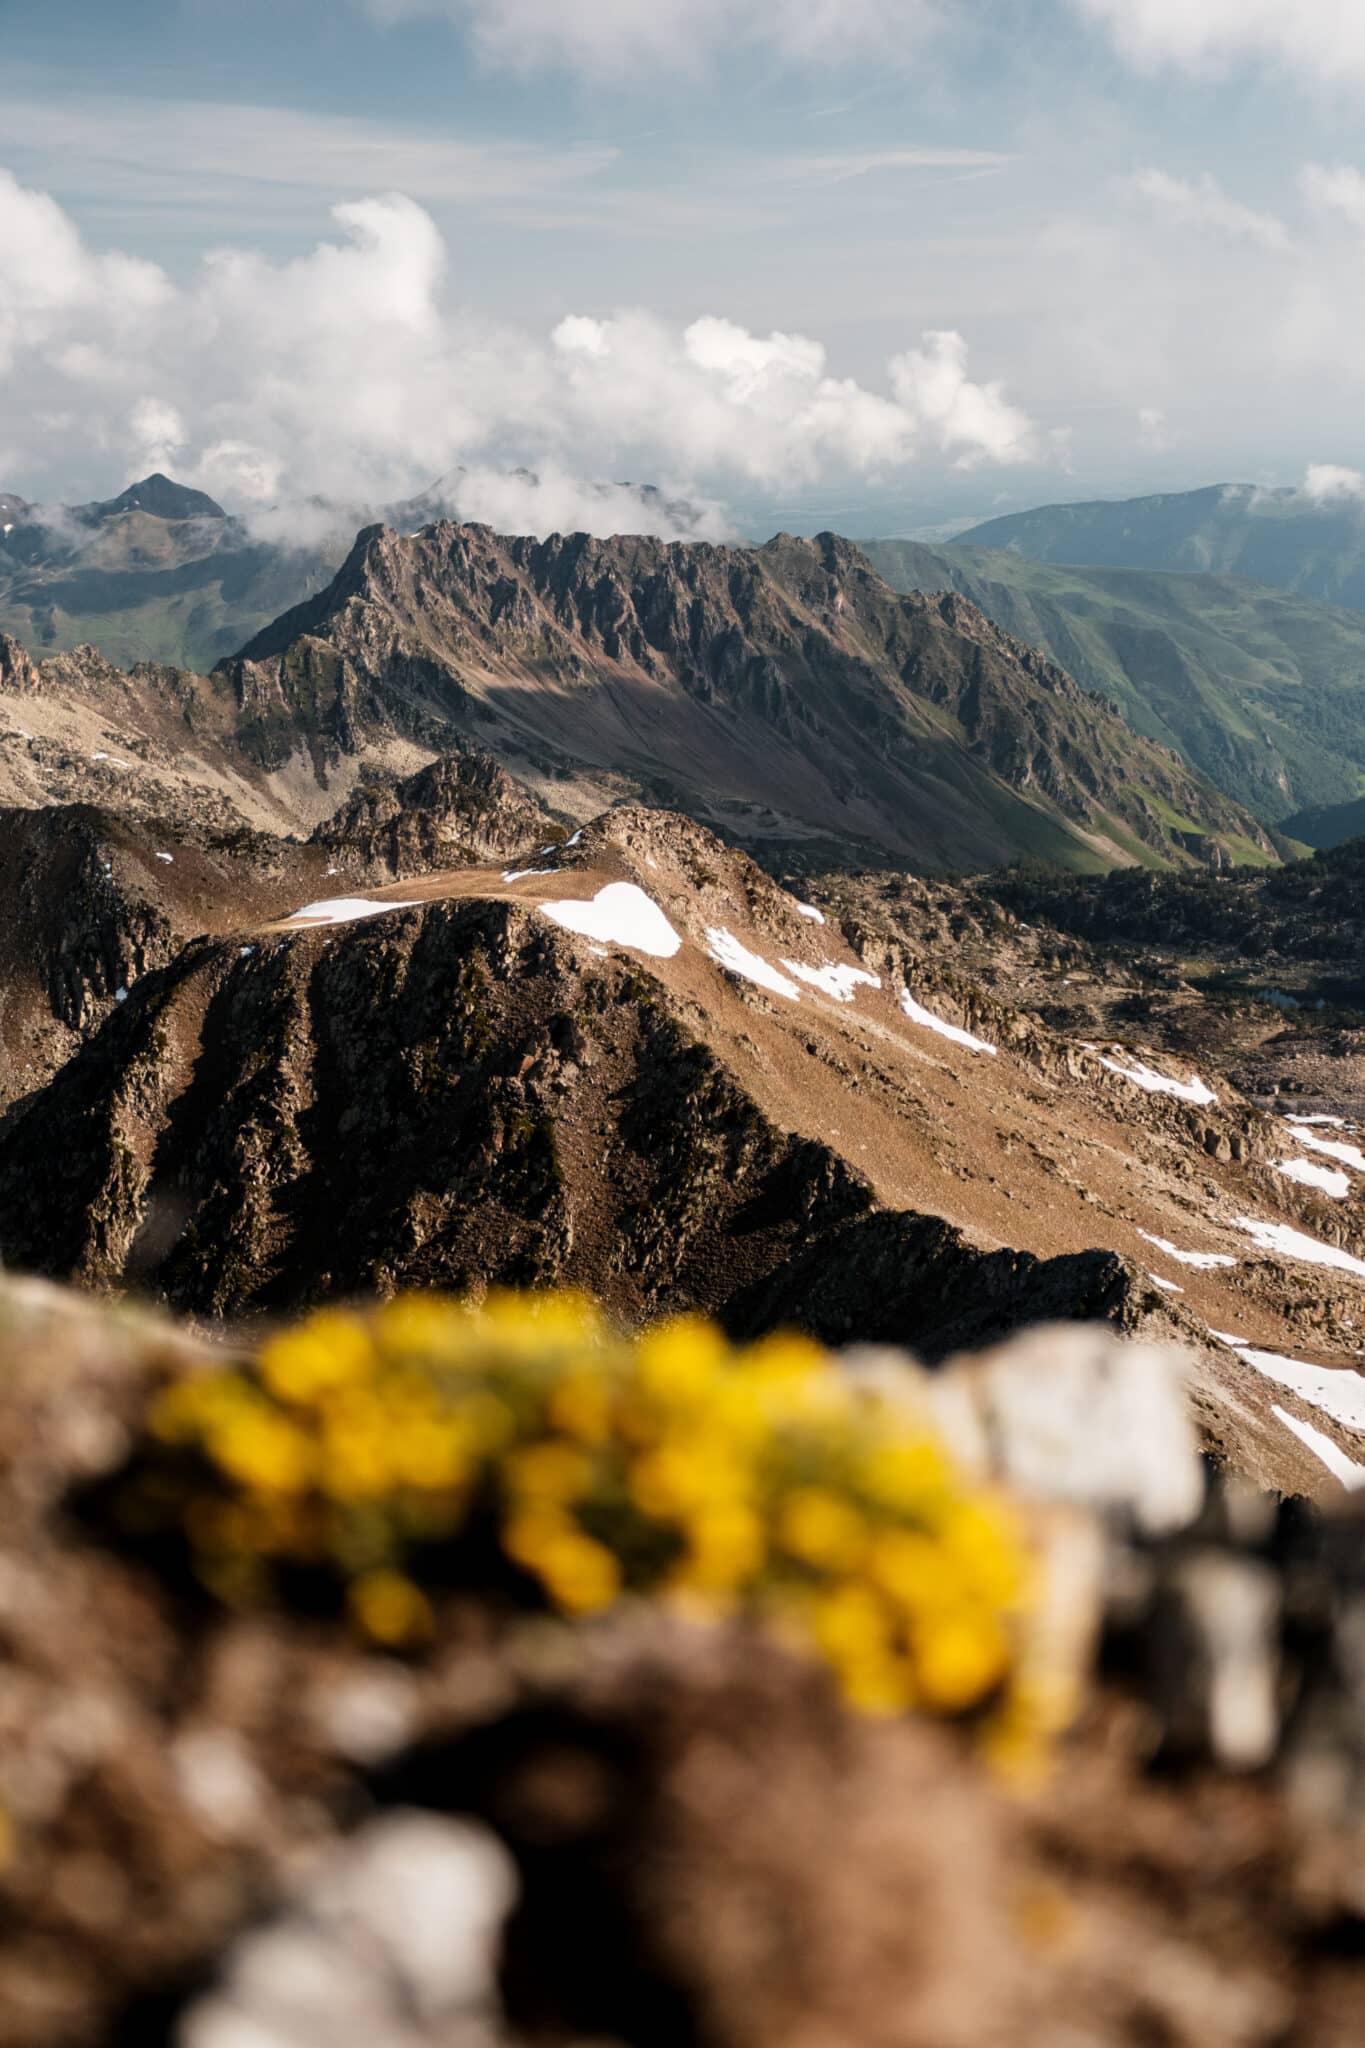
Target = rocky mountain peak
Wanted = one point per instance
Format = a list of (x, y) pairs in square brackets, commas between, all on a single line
[(162, 498), (17, 671)]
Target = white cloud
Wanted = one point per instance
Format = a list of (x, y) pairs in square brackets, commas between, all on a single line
[(605, 38), (198, 151), (836, 167), (1153, 429), (349, 373), (1338, 188), (975, 423), (1323, 38), (1206, 205), (1328, 483)]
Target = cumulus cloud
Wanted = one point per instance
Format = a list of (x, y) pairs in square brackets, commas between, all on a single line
[(1323, 38), (610, 37), (1329, 483), (352, 375), (1335, 189), (1206, 205)]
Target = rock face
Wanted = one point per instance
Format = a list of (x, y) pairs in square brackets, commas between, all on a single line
[(459, 1103), (481, 1075), (463, 808), (783, 690)]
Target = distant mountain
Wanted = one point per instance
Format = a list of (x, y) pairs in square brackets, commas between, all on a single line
[(162, 573), (159, 496), (784, 695), (159, 573), (1283, 537), (1262, 690)]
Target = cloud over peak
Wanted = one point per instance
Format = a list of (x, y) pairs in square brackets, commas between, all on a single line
[(350, 373)]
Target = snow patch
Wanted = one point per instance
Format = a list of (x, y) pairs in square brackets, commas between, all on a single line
[(833, 980), (1167, 1286), (344, 910), (1309, 1175), (1338, 1392), (520, 874), (1296, 1244), (622, 915), (1351, 1475), (169, 858), (120, 995), (1143, 1076), (1205, 1261), (1337, 1123), (727, 951), (1331, 1148), (809, 910), (917, 1014), (245, 952)]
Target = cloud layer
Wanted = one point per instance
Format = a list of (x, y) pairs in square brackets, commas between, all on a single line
[(605, 39), (1324, 38), (350, 373)]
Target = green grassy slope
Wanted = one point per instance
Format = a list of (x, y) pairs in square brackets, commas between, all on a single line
[(1282, 537), (1262, 690)]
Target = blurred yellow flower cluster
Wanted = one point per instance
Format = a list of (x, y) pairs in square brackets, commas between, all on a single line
[(672, 1465)]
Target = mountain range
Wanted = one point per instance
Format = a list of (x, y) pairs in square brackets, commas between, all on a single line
[(1291, 539), (563, 911), (1260, 688), (784, 695)]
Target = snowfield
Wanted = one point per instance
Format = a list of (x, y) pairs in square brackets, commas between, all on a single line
[(726, 950), (917, 1014), (620, 914), (1351, 1475), (1331, 1148), (1296, 1244), (1338, 1392), (1309, 1175), (344, 910), (1205, 1261), (1142, 1076), (833, 980)]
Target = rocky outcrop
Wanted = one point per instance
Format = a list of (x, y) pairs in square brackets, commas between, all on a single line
[(463, 809), (785, 688)]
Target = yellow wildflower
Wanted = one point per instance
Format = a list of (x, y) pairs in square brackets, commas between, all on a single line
[(391, 1609), (264, 1450), (329, 1350), (549, 1472), (819, 1528), (679, 1360)]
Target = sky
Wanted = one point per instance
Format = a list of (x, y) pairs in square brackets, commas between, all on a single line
[(872, 264)]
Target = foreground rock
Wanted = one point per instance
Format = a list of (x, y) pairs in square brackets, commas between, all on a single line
[(241, 1829)]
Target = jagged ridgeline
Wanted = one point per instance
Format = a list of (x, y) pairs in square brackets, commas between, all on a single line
[(784, 695)]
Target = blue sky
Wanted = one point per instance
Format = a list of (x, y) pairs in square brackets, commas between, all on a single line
[(1137, 222)]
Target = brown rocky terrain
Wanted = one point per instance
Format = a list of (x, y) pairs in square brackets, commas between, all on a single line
[(726, 1106), (101, 894), (776, 693), (784, 695)]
